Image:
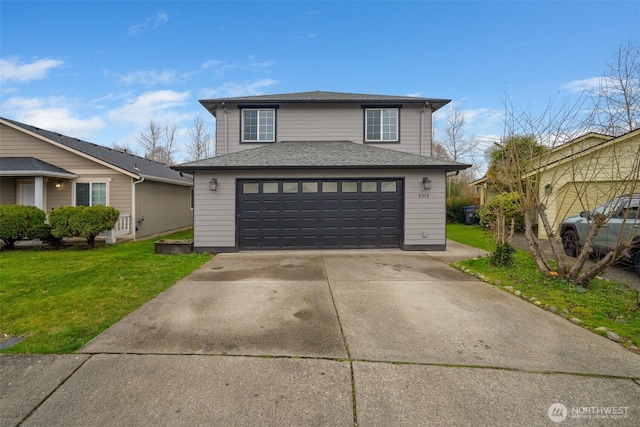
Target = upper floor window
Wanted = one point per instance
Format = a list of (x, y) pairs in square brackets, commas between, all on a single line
[(258, 125), (381, 124), (91, 193)]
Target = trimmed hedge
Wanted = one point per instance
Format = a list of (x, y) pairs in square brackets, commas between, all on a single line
[(82, 221), (16, 220)]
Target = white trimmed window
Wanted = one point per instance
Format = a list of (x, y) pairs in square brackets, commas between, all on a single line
[(258, 125), (381, 124), (91, 193)]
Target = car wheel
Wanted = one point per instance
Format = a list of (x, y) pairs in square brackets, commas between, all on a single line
[(570, 243), (636, 262)]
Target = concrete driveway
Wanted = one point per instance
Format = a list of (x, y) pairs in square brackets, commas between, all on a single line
[(335, 338)]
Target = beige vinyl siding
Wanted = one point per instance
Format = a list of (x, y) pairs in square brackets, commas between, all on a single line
[(164, 207), (7, 191), (19, 144), (215, 213), (328, 122), (57, 197)]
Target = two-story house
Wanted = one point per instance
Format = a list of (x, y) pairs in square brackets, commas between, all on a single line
[(319, 170)]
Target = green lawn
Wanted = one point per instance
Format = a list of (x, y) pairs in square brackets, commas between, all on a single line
[(62, 299), (602, 303)]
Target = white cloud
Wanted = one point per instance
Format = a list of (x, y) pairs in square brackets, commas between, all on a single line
[(152, 22), (262, 65), (220, 67), (149, 77), (12, 71), (52, 114), (586, 85), (158, 105), (233, 89)]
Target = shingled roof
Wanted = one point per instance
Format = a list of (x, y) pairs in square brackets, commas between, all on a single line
[(135, 165), (320, 155), (16, 166), (325, 97)]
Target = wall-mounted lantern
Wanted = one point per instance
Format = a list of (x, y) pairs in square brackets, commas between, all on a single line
[(213, 184), (58, 184), (548, 189), (426, 182)]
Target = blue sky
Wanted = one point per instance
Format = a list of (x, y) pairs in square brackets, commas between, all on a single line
[(100, 71)]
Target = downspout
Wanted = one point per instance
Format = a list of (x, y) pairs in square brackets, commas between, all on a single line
[(426, 104), (134, 221), (226, 140)]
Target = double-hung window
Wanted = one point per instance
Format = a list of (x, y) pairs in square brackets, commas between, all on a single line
[(91, 193), (381, 125), (258, 125)]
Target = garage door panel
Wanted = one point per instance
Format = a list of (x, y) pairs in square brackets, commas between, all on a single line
[(330, 205), (349, 204), (290, 205), (271, 206), (321, 214), (270, 224)]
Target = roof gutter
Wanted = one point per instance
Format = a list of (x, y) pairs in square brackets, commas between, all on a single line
[(166, 180), (447, 168), (48, 174)]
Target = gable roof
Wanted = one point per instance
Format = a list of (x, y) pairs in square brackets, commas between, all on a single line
[(605, 141), (130, 164), (325, 97), (17, 166), (600, 141), (320, 155)]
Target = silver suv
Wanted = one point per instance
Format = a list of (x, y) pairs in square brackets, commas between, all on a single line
[(623, 221)]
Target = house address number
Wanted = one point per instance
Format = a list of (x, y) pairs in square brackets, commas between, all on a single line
[(423, 195)]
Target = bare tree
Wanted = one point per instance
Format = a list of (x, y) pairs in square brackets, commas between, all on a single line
[(200, 145), (158, 141), (616, 107), (456, 146), (438, 151), (583, 172)]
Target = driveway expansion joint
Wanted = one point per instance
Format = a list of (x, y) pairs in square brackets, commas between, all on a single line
[(45, 398), (346, 345)]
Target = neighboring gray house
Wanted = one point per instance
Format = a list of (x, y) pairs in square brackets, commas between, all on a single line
[(321, 170), (47, 170)]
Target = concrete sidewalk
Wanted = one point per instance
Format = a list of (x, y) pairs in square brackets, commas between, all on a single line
[(330, 338)]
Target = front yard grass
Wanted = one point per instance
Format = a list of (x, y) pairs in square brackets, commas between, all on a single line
[(603, 303), (61, 299)]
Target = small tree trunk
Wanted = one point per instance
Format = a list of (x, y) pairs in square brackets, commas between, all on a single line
[(556, 244), (582, 258), (538, 257), (512, 229)]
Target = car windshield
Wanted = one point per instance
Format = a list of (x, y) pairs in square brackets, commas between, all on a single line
[(609, 207), (615, 206)]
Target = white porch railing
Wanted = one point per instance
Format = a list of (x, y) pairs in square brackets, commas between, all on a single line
[(123, 226)]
